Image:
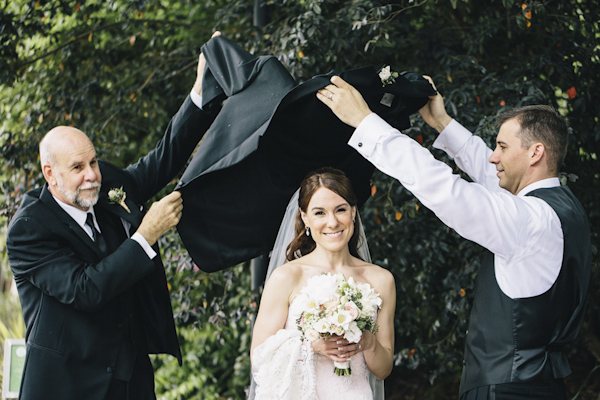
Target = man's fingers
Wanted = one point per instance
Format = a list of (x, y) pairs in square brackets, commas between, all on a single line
[(173, 197), (339, 82), (325, 96)]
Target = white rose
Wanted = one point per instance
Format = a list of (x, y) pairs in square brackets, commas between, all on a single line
[(342, 318), (385, 73), (322, 326), (353, 334)]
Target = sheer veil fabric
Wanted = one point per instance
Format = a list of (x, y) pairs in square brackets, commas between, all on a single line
[(278, 257)]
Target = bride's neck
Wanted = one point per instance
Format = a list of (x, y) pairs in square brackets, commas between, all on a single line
[(335, 261)]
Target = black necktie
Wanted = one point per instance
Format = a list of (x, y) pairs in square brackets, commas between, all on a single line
[(96, 235)]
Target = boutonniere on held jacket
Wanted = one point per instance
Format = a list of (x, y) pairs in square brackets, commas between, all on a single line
[(387, 76), (117, 196)]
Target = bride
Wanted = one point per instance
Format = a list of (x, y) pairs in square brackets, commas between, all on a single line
[(327, 235)]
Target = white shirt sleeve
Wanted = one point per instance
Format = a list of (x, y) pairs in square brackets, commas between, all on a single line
[(517, 229), (144, 243), (470, 153)]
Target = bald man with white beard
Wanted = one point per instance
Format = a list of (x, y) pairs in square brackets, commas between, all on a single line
[(91, 283)]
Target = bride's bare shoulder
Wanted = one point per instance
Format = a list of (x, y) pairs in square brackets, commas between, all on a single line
[(378, 274), (290, 271)]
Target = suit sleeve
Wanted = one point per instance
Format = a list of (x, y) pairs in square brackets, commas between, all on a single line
[(156, 169), (59, 269)]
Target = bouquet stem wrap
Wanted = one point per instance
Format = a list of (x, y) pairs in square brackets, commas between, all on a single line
[(342, 368)]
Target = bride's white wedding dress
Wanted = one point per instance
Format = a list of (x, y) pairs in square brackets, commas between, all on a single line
[(285, 367), (328, 384)]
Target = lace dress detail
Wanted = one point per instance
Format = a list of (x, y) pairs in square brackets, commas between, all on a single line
[(328, 385)]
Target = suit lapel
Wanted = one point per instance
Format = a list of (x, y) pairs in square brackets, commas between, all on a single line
[(69, 223), (134, 217)]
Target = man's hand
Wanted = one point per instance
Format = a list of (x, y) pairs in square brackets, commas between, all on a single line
[(434, 113), (345, 101), (162, 216), (201, 66)]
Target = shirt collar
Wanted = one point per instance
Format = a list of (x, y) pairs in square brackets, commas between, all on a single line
[(543, 184), (78, 215)]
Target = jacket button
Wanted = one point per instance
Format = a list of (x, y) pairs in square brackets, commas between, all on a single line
[(464, 362), (109, 370)]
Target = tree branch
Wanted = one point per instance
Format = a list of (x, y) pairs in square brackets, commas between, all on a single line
[(106, 27)]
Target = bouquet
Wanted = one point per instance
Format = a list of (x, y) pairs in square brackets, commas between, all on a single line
[(332, 304)]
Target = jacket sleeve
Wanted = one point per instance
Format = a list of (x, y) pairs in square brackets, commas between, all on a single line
[(59, 268), (156, 169)]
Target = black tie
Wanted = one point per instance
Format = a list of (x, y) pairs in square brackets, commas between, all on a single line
[(97, 236)]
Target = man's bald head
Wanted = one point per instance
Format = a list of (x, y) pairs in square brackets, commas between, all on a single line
[(58, 140), (70, 166)]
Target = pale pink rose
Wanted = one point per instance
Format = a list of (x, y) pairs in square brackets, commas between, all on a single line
[(312, 335), (338, 330), (352, 310)]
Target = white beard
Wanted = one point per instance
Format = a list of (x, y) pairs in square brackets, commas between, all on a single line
[(75, 197)]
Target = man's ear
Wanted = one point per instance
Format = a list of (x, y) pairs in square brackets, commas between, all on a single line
[(537, 153), (49, 174)]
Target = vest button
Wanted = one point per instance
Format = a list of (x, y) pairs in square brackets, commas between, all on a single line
[(109, 370), (360, 144), (464, 362)]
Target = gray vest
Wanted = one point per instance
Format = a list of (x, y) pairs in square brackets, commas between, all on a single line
[(521, 340)]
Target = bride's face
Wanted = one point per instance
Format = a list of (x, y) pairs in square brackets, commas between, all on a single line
[(330, 219)]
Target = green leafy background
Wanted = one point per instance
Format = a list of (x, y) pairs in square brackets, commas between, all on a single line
[(119, 70)]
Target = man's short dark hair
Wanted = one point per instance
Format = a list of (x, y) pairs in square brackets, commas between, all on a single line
[(541, 123)]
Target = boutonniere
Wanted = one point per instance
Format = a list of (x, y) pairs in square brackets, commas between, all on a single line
[(387, 76), (117, 196)]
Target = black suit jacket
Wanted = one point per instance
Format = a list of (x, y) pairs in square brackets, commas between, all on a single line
[(71, 293), (268, 135)]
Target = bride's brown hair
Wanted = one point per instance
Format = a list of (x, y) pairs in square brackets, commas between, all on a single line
[(336, 181)]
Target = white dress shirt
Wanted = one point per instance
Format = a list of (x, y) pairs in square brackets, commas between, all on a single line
[(523, 232), (196, 99), (80, 217)]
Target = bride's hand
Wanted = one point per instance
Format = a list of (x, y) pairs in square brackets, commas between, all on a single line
[(345, 101), (337, 348)]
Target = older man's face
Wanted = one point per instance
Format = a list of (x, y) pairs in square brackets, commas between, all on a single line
[(77, 174)]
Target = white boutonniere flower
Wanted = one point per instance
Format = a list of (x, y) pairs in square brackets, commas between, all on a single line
[(387, 76), (117, 196)]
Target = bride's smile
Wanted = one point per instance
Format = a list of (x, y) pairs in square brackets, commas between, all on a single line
[(334, 234), (330, 220)]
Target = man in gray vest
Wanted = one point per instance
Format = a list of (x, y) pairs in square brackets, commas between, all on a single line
[(531, 286)]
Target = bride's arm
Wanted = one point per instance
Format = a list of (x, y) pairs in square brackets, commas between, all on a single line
[(273, 309), (378, 348)]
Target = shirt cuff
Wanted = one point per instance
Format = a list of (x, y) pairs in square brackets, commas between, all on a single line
[(452, 138), (363, 139), (144, 243), (196, 98)]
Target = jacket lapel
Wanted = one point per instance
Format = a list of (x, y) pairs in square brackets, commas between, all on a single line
[(69, 223), (134, 216)]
